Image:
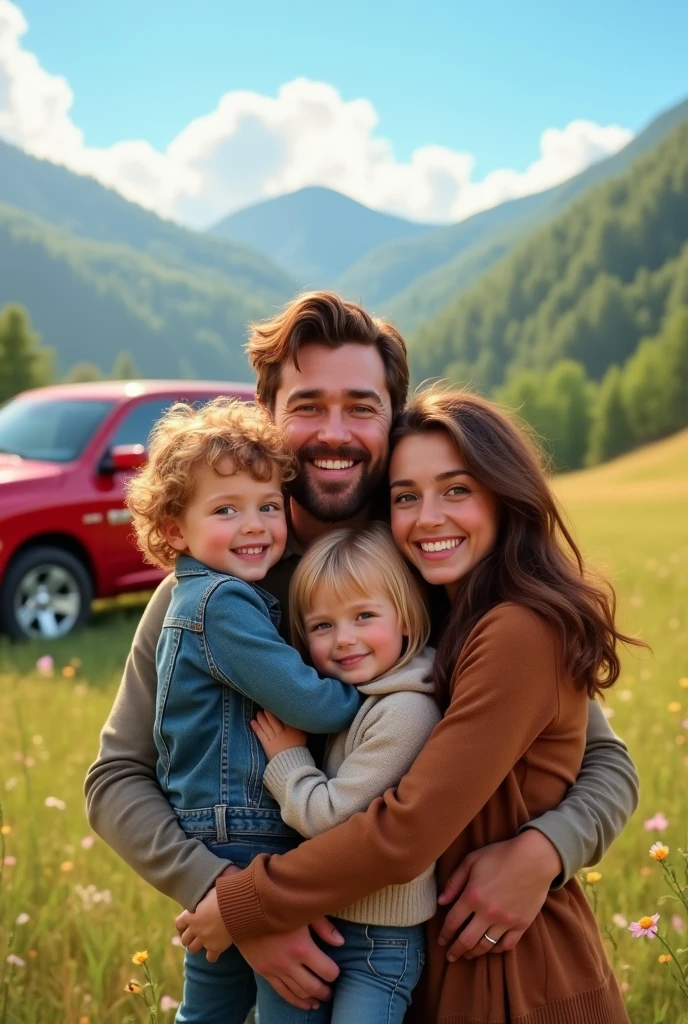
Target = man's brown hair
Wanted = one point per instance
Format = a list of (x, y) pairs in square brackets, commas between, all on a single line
[(324, 318)]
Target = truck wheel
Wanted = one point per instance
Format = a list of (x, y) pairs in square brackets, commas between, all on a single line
[(46, 593)]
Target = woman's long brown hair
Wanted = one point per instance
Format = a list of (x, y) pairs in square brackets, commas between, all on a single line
[(535, 562)]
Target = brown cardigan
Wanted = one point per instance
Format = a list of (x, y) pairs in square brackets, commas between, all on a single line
[(507, 749)]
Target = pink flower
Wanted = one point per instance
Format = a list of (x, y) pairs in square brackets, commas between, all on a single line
[(9, 861), (45, 665), (678, 924), (87, 842), (168, 1003), (645, 927), (176, 940), (15, 961), (657, 823)]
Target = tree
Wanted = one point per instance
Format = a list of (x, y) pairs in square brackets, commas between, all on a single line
[(611, 433), (23, 364), (568, 393), (83, 372), (124, 367)]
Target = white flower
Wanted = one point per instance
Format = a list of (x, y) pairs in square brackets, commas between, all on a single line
[(168, 1003), (11, 783), (54, 801), (87, 842), (23, 918)]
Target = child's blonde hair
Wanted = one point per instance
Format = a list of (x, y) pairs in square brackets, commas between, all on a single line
[(184, 438), (362, 562)]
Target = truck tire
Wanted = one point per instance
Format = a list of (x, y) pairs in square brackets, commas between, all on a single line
[(46, 593)]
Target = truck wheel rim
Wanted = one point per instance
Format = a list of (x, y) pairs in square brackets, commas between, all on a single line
[(47, 602)]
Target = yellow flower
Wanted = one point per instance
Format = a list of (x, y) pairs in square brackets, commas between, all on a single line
[(665, 958), (592, 877), (84, 1020), (5, 830), (132, 987), (66, 865), (658, 851), (140, 957), (69, 671), (674, 707), (683, 683), (33, 953)]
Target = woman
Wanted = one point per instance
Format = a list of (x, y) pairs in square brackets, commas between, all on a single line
[(528, 638)]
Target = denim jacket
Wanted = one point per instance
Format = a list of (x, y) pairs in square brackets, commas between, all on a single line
[(219, 659)]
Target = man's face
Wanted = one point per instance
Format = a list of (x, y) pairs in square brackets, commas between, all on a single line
[(337, 413)]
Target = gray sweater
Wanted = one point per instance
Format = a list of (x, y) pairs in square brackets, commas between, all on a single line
[(382, 743)]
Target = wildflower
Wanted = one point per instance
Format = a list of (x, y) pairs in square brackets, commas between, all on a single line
[(87, 842), (646, 926), (674, 707), (620, 921), (176, 940), (29, 762), (33, 953), (54, 801), (5, 830), (608, 712), (658, 851), (625, 987), (645, 871), (684, 723), (69, 671), (683, 683), (678, 924), (167, 1003), (45, 665), (15, 961), (9, 861), (132, 987), (90, 896), (37, 740), (665, 958), (140, 957), (11, 783), (84, 1020), (625, 695), (592, 877), (66, 865), (680, 740), (656, 824), (23, 918)]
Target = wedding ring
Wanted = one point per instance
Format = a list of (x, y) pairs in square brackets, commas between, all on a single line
[(493, 942)]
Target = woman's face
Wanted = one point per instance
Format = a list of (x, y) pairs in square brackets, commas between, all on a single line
[(443, 519)]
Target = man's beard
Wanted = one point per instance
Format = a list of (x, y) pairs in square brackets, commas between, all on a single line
[(337, 500)]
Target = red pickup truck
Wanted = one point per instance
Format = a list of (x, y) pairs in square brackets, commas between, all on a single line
[(65, 534)]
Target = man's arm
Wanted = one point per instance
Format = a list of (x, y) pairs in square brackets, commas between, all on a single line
[(598, 805), (124, 803)]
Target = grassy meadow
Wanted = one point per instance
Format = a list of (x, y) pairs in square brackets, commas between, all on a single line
[(72, 915)]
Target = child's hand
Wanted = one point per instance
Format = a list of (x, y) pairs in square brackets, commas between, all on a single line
[(274, 735), (204, 928)]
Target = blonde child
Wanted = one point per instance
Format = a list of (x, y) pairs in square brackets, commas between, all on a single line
[(357, 613), (209, 505)]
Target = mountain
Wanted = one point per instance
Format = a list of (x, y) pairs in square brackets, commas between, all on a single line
[(316, 233), (85, 208), (89, 300), (586, 287), (411, 281)]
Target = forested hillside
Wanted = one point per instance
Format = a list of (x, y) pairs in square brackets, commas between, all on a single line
[(412, 281), (90, 300), (587, 287), (315, 233), (85, 208)]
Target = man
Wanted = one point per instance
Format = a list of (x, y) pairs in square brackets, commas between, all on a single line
[(334, 378)]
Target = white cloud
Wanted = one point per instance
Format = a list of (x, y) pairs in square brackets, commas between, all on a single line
[(252, 147)]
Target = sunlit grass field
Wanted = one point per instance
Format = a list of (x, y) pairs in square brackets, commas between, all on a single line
[(72, 915)]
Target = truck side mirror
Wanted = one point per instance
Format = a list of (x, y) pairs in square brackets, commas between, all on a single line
[(125, 457)]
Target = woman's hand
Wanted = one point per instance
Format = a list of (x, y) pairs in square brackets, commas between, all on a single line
[(501, 888), (274, 735)]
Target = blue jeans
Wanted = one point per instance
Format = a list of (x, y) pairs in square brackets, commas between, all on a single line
[(225, 991), (379, 969)]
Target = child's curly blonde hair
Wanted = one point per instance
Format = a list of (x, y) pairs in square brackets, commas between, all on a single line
[(183, 438)]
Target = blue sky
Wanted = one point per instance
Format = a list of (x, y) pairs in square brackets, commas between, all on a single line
[(458, 95), (484, 77)]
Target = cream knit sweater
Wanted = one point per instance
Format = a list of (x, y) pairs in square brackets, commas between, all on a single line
[(382, 742)]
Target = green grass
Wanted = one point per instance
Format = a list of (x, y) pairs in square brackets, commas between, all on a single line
[(630, 518)]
